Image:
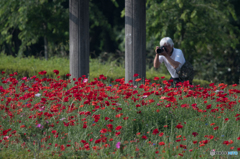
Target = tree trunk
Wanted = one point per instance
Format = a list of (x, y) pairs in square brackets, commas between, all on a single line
[(79, 37), (45, 48), (135, 39)]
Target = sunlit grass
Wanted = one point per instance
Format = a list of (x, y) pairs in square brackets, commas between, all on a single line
[(111, 69)]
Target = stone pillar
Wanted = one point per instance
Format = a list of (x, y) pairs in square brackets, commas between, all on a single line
[(135, 39), (79, 37)]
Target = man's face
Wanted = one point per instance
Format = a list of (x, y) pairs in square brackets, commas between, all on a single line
[(168, 47)]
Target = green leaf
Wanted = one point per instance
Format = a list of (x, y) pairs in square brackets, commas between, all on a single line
[(179, 26), (123, 13), (193, 13)]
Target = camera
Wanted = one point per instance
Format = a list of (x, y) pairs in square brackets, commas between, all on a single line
[(161, 49)]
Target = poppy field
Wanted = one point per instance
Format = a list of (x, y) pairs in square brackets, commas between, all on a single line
[(75, 118)]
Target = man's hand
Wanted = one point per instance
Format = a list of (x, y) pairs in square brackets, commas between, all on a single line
[(156, 49), (156, 62), (164, 53)]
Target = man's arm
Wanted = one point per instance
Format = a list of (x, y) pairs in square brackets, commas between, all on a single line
[(156, 62), (175, 64)]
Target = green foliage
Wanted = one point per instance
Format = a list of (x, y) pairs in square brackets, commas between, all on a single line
[(196, 26), (202, 29), (206, 31), (25, 23), (29, 20)]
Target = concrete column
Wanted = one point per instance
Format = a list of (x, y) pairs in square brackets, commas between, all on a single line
[(79, 37), (135, 39)]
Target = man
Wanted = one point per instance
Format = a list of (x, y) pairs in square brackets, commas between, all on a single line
[(173, 58)]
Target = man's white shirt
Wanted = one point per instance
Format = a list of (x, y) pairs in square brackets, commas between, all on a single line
[(177, 55)]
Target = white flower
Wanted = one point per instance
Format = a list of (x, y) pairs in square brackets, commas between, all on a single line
[(41, 109), (145, 96), (37, 95), (62, 119), (218, 91), (85, 80)]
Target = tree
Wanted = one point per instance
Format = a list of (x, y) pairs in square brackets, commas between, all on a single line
[(201, 28), (33, 20)]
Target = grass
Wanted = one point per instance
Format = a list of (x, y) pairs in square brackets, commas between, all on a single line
[(28, 67)]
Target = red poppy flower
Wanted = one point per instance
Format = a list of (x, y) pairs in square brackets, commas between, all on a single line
[(211, 137), (226, 142), (161, 143), (161, 134), (103, 131), (183, 146), (211, 84), (138, 79), (155, 132), (202, 145), (144, 137), (138, 105), (118, 127), (97, 141), (107, 103), (205, 141), (62, 147), (179, 126), (110, 126), (180, 154), (54, 131), (147, 80), (22, 126), (135, 75), (117, 133), (56, 72), (215, 128), (194, 134), (208, 106), (156, 78), (84, 126)]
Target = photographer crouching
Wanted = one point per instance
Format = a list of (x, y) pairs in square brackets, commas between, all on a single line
[(173, 58)]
